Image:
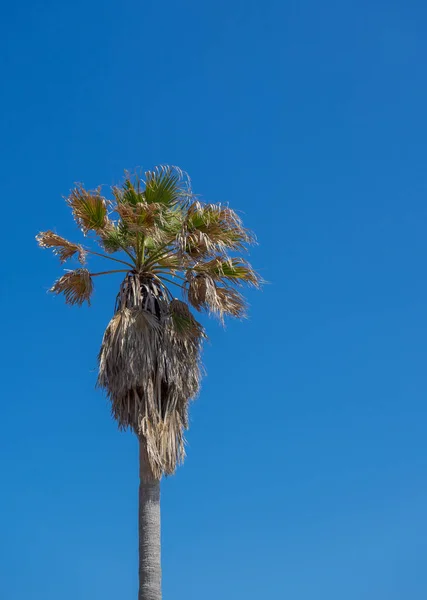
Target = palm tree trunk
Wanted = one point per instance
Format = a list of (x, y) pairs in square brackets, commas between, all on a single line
[(150, 576)]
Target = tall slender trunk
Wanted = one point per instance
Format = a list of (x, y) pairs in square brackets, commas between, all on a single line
[(150, 575)]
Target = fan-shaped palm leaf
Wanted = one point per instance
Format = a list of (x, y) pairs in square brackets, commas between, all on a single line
[(89, 209), (146, 219), (211, 228), (77, 286), (130, 192), (168, 186), (230, 303), (61, 247), (183, 323), (228, 270), (203, 293), (116, 237)]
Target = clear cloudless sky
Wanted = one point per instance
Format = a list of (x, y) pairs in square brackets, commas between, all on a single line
[(307, 454)]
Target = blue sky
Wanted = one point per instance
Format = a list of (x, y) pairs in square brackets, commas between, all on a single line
[(307, 456)]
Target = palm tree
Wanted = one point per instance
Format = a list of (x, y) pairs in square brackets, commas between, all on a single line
[(161, 235)]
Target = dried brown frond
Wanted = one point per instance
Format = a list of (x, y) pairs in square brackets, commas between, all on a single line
[(231, 302), (201, 291), (204, 294), (61, 247), (89, 209), (144, 292), (77, 286), (149, 371)]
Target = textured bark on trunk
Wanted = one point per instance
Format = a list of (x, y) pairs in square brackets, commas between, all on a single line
[(150, 576)]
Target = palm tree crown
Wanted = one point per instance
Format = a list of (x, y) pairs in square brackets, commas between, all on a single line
[(163, 235)]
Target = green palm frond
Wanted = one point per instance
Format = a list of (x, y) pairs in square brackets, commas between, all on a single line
[(115, 237), (145, 219), (168, 263), (165, 185), (168, 186), (212, 228), (77, 286), (89, 209), (130, 192), (183, 322), (61, 247), (229, 270), (173, 219)]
